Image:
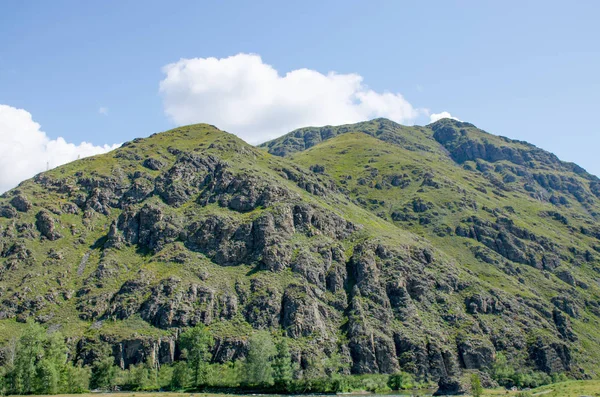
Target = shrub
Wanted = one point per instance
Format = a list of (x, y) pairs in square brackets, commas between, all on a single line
[(401, 381), (476, 388)]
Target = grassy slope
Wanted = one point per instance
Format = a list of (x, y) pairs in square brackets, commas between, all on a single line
[(358, 154)]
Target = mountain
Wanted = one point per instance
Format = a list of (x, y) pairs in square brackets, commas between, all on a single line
[(424, 249)]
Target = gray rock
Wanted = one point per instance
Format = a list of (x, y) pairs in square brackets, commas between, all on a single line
[(45, 224), (476, 353), (21, 203), (8, 212), (449, 386), (153, 164)]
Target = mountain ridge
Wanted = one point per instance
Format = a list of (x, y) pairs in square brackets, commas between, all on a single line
[(379, 244)]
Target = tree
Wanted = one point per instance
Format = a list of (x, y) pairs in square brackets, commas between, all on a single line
[(196, 344), (282, 365), (137, 377), (29, 350), (52, 367), (37, 364), (180, 379), (258, 367), (77, 379), (476, 388), (104, 372), (3, 379), (165, 376)]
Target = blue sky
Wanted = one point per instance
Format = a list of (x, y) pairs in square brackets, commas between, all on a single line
[(90, 71)]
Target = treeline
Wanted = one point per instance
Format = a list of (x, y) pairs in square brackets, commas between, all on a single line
[(39, 363)]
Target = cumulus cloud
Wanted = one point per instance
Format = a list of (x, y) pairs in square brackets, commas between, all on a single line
[(443, 115), (243, 95), (25, 150)]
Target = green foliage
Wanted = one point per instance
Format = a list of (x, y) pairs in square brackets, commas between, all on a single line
[(375, 383), (181, 377), (141, 377), (401, 381), (226, 375), (104, 372), (165, 376), (282, 365), (508, 375), (476, 388), (77, 379), (196, 343), (39, 365), (258, 369)]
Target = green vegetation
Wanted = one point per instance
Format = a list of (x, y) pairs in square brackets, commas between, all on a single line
[(38, 365), (198, 262), (569, 389), (476, 388), (282, 366), (258, 368), (507, 374), (197, 343), (104, 371)]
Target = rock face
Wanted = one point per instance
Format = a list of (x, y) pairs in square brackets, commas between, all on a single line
[(132, 352), (448, 386), (193, 226)]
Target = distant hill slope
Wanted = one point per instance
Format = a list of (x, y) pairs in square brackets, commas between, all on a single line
[(424, 249)]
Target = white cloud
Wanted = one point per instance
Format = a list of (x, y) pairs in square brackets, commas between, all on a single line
[(243, 95), (103, 110), (444, 115), (25, 150)]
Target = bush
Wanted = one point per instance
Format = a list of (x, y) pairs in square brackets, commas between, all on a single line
[(77, 379), (374, 383), (401, 381), (476, 388), (141, 377), (165, 375)]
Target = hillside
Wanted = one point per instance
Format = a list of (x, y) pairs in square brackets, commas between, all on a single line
[(423, 249), (516, 216)]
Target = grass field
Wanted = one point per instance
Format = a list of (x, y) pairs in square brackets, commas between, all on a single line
[(564, 389), (570, 389)]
